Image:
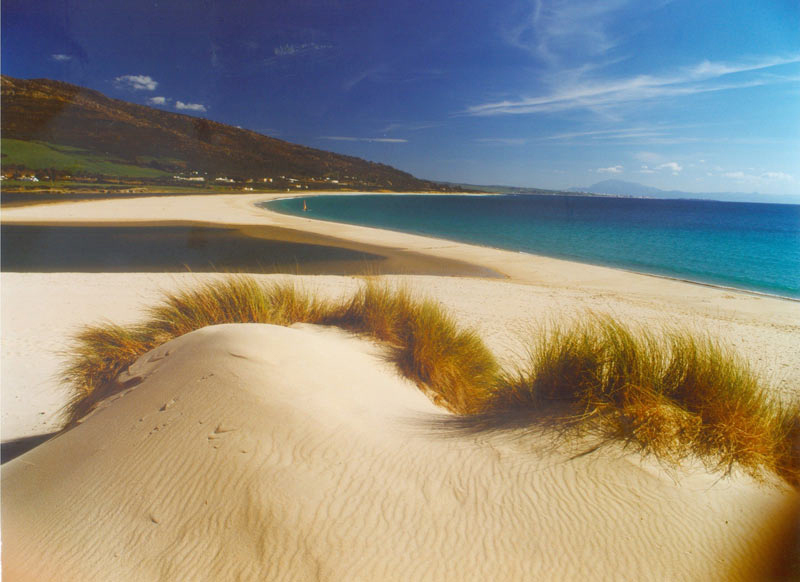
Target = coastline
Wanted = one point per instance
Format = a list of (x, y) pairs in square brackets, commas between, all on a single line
[(653, 271), (240, 210), (305, 437)]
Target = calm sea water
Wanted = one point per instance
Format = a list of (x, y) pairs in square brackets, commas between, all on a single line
[(748, 246)]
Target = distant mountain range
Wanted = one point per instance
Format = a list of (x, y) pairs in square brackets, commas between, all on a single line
[(622, 188), (76, 123)]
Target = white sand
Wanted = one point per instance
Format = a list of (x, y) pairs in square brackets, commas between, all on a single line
[(336, 481), (253, 452)]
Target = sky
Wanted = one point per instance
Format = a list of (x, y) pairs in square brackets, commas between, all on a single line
[(694, 95)]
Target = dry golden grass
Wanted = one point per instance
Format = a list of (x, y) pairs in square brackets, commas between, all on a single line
[(788, 435), (453, 366), (672, 395)]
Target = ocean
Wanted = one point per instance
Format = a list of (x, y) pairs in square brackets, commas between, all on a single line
[(755, 247)]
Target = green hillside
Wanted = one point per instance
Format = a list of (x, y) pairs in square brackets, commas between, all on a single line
[(35, 155)]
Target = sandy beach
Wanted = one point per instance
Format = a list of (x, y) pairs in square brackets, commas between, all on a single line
[(257, 452)]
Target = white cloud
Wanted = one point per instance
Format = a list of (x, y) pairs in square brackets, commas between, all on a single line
[(646, 170), (762, 178), (61, 58), (780, 176), (181, 106), (706, 69), (594, 94), (609, 134), (367, 139), (409, 126), (675, 167), (738, 175), (157, 101), (611, 170), (136, 82), (650, 135)]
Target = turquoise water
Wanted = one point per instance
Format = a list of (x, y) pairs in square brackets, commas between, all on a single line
[(748, 246)]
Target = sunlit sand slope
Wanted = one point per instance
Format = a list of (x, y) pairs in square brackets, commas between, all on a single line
[(264, 453)]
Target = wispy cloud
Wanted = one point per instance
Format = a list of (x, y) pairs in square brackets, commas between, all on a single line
[(181, 106), (366, 139), (390, 74), (289, 53), (409, 126), (674, 167), (511, 141), (136, 82), (61, 58), (780, 176), (637, 135), (551, 29), (157, 101), (610, 170), (294, 50), (764, 177), (598, 93)]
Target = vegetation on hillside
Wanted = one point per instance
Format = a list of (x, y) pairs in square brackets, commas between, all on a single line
[(76, 121), (55, 161), (672, 395)]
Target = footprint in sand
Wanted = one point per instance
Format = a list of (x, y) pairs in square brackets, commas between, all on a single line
[(220, 431)]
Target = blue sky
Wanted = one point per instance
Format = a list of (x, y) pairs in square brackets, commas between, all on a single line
[(700, 95)]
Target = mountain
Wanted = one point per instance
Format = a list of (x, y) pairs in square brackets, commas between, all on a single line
[(622, 188), (67, 119)]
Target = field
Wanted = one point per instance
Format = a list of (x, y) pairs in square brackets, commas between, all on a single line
[(45, 156)]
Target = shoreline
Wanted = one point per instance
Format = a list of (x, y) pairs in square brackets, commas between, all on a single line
[(569, 259), (249, 213)]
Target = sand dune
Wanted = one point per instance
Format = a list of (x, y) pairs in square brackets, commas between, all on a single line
[(254, 452), (258, 452)]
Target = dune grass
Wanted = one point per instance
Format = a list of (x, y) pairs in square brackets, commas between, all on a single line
[(453, 366), (671, 394)]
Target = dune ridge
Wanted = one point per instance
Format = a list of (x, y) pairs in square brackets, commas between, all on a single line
[(675, 395), (235, 458)]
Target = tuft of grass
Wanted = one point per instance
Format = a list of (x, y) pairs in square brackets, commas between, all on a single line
[(239, 299), (672, 395), (98, 356), (787, 430), (453, 366), (737, 420)]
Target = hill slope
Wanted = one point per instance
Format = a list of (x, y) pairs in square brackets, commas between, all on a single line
[(41, 110)]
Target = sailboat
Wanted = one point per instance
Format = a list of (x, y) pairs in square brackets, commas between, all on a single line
[(305, 206)]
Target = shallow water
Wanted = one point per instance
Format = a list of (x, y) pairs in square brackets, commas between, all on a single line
[(742, 245), (110, 249)]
